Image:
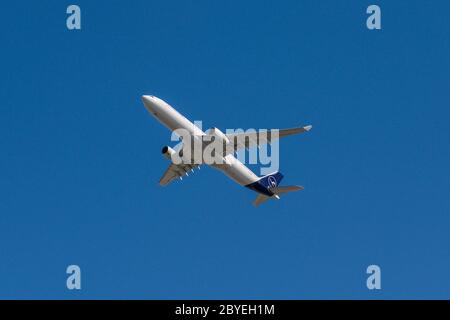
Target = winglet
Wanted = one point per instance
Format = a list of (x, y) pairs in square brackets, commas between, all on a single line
[(307, 128)]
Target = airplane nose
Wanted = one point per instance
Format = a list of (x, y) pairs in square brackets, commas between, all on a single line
[(147, 98), (151, 103), (148, 101)]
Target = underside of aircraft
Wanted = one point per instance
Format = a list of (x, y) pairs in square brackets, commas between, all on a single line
[(184, 159)]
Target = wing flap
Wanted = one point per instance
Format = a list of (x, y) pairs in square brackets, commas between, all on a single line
[(175, 171)]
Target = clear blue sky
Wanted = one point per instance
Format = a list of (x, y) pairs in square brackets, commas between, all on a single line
[(80, 155)]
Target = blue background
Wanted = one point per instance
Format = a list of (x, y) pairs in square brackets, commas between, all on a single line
[(80, 155)]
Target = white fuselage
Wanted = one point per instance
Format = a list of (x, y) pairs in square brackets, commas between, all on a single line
[(173, 120)]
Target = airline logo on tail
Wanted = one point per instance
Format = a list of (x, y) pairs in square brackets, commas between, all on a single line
[(266, 184), (272, 182)]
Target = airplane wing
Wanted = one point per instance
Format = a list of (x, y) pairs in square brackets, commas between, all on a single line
[(256, 138), (176, 171)]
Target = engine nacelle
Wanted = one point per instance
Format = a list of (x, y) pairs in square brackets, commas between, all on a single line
[(168, 152), (219, 135)]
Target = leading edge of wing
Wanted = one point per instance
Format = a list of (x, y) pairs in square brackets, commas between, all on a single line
[(251, 139)]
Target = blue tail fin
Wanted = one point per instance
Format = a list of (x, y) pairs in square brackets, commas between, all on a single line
[(265, 184), (271, 180)]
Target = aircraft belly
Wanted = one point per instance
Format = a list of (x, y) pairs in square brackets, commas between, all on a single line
[(237, 171), (173, 120)]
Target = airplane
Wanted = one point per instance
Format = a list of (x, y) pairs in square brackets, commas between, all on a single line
[(267, 186)]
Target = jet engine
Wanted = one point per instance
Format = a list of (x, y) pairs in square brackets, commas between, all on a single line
[(168, 152)]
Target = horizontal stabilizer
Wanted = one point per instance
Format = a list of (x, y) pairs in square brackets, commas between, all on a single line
[(280, 190), (260, 199)]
